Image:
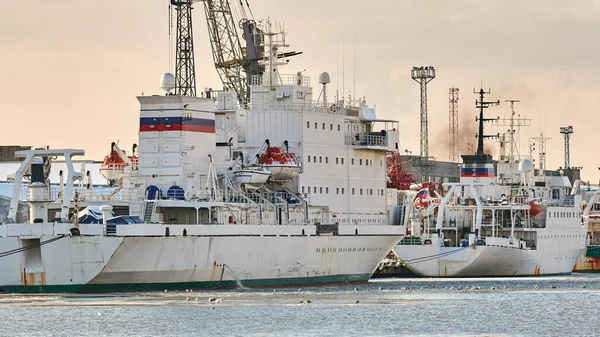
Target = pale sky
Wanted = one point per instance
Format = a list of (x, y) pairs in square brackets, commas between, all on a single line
[(71, 68)]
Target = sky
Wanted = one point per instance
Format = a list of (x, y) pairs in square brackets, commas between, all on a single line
[(71, 68)]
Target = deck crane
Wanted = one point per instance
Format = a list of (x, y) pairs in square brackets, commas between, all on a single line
[(233, 63)]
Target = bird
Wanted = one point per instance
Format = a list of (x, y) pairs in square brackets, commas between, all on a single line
[(357, 301)]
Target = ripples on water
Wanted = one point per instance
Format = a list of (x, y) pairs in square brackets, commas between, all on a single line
[(557, 306)]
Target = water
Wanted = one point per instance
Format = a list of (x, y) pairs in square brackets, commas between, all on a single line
[(556, 306)]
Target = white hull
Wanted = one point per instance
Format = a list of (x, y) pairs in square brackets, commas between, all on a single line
[(283, 173), (249, 256), (551, 256)]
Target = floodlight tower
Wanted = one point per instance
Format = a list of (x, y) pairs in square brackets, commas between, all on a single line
[(453, 124), (423, 75), (567, 131)]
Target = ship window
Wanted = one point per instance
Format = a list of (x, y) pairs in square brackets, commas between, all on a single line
[(360, 162), (380, 163), (339, 128), (323, 126), (352, 161), (352, 190), (342, 161), (320, 159), (337, 160), (342, 190), (314, 159), (361, 191), (308, 124), (326, 160), (321, 190), (331, 127), (315, 189), (309, 159), (371, 191), (302, 189), (316, 125), (337, 190), (326, 190)]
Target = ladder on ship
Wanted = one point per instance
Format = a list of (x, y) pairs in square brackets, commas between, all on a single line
[(149, 210), (235, 194), (291, 196), (281, 205)]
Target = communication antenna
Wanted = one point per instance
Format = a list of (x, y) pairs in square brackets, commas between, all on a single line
[(482, 104), (515, 121), (567, 131), (453, 125), (423, 75), (541, 149)]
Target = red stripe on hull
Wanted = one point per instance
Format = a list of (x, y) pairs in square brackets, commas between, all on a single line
[(176, 127)]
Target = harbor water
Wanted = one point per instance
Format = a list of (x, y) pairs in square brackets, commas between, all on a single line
[(551, 306)]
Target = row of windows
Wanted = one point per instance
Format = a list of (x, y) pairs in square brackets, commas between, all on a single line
[(572, 236), (564, 214), (341, 190), (348, 250), (339, 128), (340, 160)]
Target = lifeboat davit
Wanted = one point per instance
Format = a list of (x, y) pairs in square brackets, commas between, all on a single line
[(113, 166), (283, 166)]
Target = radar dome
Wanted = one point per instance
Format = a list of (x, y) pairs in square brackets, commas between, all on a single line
[(167, 82), (526, 165), (324, 78)]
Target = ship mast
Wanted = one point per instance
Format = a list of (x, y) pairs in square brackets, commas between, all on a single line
[(482, 104), (185, 77)]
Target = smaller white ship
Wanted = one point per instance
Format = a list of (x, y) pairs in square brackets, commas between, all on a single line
[(516, 224)]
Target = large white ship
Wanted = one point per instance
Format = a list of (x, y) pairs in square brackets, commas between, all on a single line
[(206, 204), (513, 224)]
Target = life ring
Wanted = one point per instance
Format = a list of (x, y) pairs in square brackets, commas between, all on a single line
[(333, 108)]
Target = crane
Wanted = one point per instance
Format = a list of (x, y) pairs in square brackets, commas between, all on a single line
[(234, 64)]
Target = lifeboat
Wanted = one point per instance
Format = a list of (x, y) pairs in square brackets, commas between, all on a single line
[(251, 177), (536, 206), (113, 166), (283, 165)]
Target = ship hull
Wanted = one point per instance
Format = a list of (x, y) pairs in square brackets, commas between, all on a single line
[(108, 264), (589, 261), (491, 261)]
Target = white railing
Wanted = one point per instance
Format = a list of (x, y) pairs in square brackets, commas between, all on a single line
[(281, 79), (367, 139)]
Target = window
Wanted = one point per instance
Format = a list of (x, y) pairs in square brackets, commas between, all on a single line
[(320, 159), (302, 189), (360, 162), (308, 124), (361, 191), (309, 159), (352, 190), (352, 161), (342, 161), (326, 190), (339, 128), (315, 189), (321, 190), (316, 125), (314, 159), (371, 191), (337, 160), (326, 160), (323, 126), (342, 190), (380, 163), (337, 190), (331, 127)]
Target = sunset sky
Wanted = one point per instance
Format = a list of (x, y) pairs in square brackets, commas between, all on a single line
[(71, 68)]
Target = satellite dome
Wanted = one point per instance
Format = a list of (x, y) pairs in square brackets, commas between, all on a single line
[(525, 165), (167, 82), (324, 78)]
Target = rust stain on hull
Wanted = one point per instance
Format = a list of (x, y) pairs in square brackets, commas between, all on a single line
[(587, 264), (33, 279)]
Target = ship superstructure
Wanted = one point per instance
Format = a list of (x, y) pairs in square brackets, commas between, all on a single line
[(287, 191)]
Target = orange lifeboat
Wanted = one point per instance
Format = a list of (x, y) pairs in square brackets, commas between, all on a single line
[(536, 207), (113, 165), (283, 165)]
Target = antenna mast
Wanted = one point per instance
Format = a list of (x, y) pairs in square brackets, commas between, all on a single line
[(482, 104), (185, 77), (513, 122), (542, 149)]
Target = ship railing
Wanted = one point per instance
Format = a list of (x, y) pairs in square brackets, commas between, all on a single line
[(369, 139), (281, 79), (55, 193)]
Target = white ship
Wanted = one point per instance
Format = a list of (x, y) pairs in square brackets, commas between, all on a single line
[(179, 220), (513, 224)]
